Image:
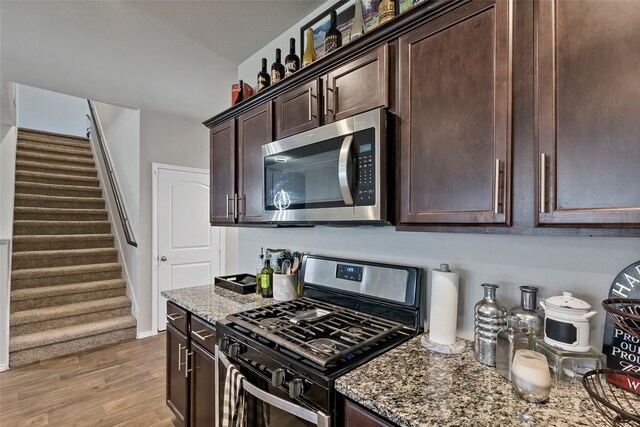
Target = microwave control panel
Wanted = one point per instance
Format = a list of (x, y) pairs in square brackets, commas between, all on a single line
[(365, 168)]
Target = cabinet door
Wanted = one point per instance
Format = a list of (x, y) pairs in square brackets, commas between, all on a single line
[(222, 174), (358, 86), (177, 381), (455, 114), (203, 387), (254, 130), (356, 416), (588, 110), (297, 110)]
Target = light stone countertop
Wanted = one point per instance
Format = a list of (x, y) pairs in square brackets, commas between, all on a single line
[(411, 386), (213, 303)]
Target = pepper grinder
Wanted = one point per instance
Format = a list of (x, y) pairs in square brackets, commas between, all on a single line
[(530, 319), (490, 317)]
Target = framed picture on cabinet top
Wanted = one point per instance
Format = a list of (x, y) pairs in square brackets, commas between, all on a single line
[(404, 5), (320, 24)]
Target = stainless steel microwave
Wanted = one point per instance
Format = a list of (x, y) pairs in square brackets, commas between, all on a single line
[(336, 173)]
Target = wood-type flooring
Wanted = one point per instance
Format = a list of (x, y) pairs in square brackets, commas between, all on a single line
[(120, 385)]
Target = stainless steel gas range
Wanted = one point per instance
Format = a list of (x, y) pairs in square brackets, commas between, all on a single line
[(291, 353)]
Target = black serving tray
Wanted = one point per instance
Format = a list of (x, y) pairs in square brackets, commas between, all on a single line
[(240, 283)]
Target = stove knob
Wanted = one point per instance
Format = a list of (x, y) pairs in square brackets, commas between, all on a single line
[(234, 349), (296, 388), (224, 343), (277, 377)]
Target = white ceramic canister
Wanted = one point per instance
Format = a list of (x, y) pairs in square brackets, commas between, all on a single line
[(566, 322)]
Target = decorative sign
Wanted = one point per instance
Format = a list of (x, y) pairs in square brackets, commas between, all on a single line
[(623, 349)]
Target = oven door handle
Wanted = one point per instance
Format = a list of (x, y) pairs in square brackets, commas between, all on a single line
[(343, 165), (318, 418)]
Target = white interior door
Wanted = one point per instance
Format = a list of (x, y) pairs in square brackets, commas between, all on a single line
[(188, 247)]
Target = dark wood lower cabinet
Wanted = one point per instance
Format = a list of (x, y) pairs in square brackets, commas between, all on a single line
[(357, 416), (177, 380), (203, 387)]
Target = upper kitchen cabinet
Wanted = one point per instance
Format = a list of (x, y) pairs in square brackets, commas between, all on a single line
[(297, 109), (357, 86), (222, 173), (236, 166), (588, 113), (455, 118)]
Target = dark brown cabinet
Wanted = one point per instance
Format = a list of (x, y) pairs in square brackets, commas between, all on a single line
[(587, 113), (357, 416), (297, 110), (455, 118), (191, 385), (236, 167), (222, 172), (359, 85)]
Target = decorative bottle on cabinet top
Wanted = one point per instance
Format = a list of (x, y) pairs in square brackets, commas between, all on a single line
[(291, 61), (333, 37), (264, 79), (309, 53), (530, 319), (490, 317), (386, 10), (357, 27), (277, 69)]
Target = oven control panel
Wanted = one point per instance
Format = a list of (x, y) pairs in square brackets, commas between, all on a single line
[(349, 272), (365, 191)]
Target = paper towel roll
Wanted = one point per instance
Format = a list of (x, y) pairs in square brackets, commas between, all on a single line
[(443, 311)]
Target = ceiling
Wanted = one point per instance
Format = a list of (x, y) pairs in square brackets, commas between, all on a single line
[(178, 57)]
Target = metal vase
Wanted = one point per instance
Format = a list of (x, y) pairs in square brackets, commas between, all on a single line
[(490, 318)]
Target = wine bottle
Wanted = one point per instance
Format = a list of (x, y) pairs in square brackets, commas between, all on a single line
[(240, 96), (309, 52), (260, 265), (386, 10), (266, 280), (357, 28), (333, 37), (291, 61), (277, 69), (264, 79)]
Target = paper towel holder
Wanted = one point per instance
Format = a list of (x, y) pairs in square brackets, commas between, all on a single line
[(458, 346)]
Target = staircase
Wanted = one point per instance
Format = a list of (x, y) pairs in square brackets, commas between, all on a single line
[(67, 292)]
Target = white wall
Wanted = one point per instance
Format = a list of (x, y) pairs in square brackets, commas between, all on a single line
[(50, 111), (169, 139), (121, 127), (584, 265)]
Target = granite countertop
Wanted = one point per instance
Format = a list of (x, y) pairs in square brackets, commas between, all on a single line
[(412, 386), (213, 303)]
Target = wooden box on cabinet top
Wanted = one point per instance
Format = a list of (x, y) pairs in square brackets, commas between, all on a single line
[(455, 118), (588, 113)]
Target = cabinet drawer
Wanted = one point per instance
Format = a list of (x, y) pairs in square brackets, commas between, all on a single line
[(297, 110), (203, 333), (177, 317), (357, 416)]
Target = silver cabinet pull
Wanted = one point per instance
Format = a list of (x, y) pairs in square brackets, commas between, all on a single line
[(326, 96), (310, 116), (335, 102), (186, 362), (228, 199), (179, 356), (203, 338), (174, 316), (343, 178), (543, 182), (496, 202), (235, 205)]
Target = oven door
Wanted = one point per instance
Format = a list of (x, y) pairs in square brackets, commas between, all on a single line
[(266, 405), (329, 174)]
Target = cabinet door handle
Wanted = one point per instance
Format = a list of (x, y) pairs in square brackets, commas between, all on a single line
[(496, 202), (228, 199), (543, 182), (186, 362), (179, 356), (310, 116), (243, 212), (335, 102), (197, 334), (326, 96), (235, 205), (174, 316)]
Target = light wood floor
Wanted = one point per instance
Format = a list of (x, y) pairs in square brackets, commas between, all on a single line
[(121, 385)]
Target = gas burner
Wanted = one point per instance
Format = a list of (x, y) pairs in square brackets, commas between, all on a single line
[(355, 331), (323, 345), (270, 323)]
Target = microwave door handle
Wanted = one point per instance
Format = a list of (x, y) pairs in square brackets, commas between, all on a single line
[(343, 164), (318, 418)]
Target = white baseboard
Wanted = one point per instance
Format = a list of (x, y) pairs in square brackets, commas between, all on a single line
[(4, 367), (146, 334)]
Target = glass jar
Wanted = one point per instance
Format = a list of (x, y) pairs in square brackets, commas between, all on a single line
[(509, 341)]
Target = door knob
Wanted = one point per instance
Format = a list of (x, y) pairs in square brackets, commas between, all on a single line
[(163, 258)]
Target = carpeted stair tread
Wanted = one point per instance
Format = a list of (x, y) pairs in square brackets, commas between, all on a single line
[(22, 227), (57, 159), (56, 169), (61, 241), (29, 273), (71, 289), (51, 135), (44, 201), (60, 258), (39, 213), (69, 333), (54, 142), (68, 310), (44, 189), (66, 150), (57, 178)]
